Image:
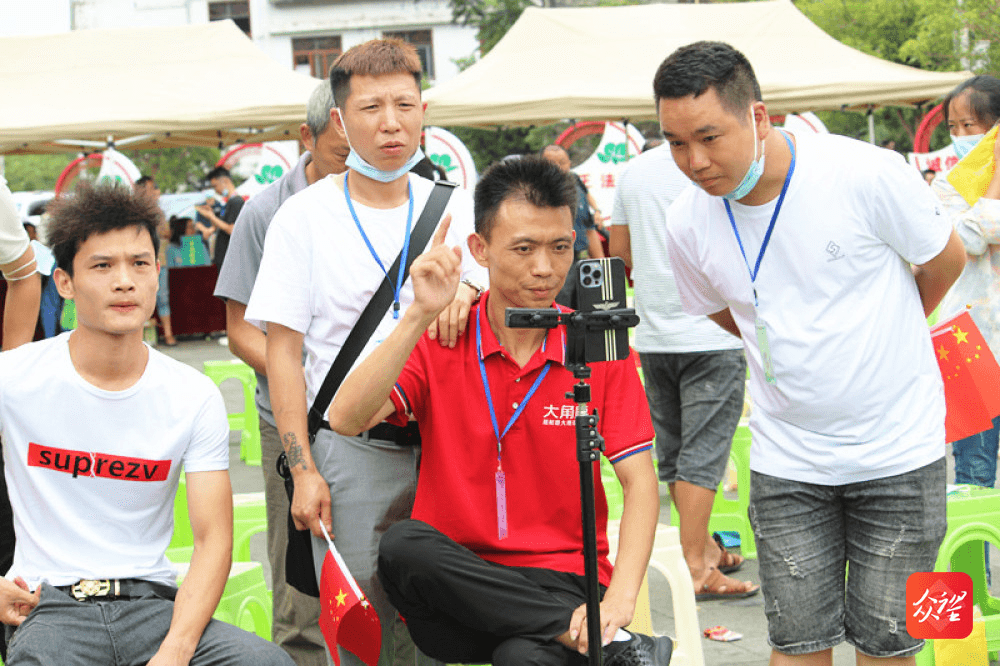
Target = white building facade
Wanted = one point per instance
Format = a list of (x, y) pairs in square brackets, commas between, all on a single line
[(303, 34)]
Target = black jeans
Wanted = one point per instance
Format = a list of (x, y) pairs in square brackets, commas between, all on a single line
[(459, 608)]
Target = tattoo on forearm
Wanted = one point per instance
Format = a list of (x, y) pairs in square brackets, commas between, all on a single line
[(293, 451)]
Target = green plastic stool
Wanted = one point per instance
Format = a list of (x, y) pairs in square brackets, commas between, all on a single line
[(68, 318), (244, 422), (245, 600), (973, 518), (249, 518), (731, 515)]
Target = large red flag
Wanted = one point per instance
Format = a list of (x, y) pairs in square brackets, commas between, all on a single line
[(346, 618), (971, 377)]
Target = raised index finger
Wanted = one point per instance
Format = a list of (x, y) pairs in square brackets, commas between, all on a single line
[(442, 231)]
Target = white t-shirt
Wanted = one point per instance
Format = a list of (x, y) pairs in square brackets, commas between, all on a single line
[(650, 184), (858, 393), (92, 474), (13, 237), (317, 275)]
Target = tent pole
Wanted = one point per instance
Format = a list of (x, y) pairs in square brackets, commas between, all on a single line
[(871, 124)]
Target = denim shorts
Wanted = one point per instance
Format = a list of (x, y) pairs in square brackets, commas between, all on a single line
[(696, 400), (885, 529)]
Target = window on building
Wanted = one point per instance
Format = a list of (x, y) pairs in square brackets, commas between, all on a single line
[(421, 41), (237, 10), (314, 55)]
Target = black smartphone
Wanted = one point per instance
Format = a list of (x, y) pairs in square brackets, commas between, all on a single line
[(601, 287)]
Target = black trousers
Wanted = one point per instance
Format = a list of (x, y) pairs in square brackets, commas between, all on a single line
[(459, 608)]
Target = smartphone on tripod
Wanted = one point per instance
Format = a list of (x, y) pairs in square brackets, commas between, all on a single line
[(602, 286)]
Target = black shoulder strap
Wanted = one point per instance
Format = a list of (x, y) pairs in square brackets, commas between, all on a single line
[(378, 306)]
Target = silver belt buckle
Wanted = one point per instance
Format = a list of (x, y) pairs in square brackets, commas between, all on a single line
[(94, 588)]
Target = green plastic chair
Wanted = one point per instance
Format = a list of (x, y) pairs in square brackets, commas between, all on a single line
[(973, 518), (68, 318), (244, 422), (249, 518), (245, 600), (731, 515)]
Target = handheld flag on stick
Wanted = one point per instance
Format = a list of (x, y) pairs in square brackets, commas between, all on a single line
[(972, 175), (971, 377), (347, 618)]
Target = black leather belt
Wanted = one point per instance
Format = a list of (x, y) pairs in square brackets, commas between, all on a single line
[(408, 435), (111, 589)]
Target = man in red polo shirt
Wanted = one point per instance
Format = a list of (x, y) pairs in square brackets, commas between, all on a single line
[(490, 568)]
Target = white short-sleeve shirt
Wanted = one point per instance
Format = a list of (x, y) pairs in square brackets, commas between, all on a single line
[(317, 275), (858, 394), (13, 237), (649, 185), (92, 474)]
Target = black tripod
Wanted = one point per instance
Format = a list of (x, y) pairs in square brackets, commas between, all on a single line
[(587, 334)]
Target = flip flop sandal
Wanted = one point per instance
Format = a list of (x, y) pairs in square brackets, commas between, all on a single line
[(712, 593), (728, 568)]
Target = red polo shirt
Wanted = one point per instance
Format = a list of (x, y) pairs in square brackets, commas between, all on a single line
[(456, 492)]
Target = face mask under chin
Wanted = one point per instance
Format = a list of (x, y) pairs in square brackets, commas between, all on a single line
[(754, 172), (362, 166)]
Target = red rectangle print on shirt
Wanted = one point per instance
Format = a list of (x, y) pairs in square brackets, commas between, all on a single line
[(99, 465)]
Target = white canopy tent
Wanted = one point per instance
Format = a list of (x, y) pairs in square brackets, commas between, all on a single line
[(597, 63), (145, 88)]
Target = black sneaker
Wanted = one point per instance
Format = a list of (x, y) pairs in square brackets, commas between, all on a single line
[(641, 650)]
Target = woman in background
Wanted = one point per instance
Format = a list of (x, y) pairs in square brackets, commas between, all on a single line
[(971, 110)]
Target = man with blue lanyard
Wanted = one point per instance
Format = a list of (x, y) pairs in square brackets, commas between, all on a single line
[(325, 254), (824, 254), (490, 568)]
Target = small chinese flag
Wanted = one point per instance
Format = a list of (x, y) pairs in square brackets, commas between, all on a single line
[(346, 618), (971, 377)]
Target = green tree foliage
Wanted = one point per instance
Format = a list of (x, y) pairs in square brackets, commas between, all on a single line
[(175, 169), (491, 18), (178, 169), (34, 172), (928, 34)]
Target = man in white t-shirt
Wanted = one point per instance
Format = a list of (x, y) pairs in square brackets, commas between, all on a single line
[(97, 428), (694, 371), (825, 258), (325, 255)]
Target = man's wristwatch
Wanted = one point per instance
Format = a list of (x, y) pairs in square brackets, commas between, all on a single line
[(476, 288)]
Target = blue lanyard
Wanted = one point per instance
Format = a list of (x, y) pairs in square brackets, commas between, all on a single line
[(486, 386), (770, 227), (406, 244)]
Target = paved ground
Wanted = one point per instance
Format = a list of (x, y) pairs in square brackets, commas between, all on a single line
[(745, 616)]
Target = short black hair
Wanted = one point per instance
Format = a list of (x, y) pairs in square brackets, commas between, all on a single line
[(984, 98), (178, 227), (376, 57), (218, 172), (531, 178), (91, 211), (143, 180), (693, 69)]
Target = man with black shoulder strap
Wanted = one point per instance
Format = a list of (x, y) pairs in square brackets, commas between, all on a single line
[(328, 250)]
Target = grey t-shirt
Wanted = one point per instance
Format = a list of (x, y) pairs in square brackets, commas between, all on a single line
[(246, 247)]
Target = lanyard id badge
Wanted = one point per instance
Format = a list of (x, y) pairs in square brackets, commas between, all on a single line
[(763, 344), (499, 477), (765, 350)]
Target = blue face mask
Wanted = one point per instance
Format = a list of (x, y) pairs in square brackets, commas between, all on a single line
[(356, 162), (753, 174), (964, 144)]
